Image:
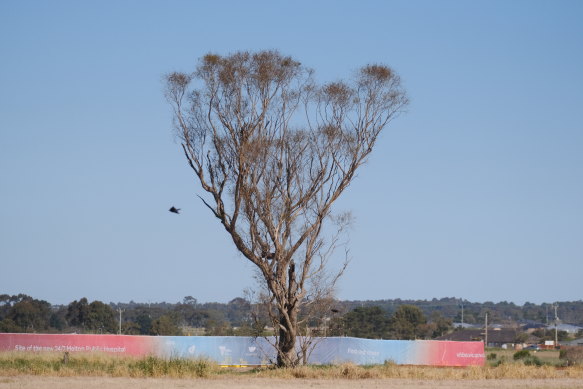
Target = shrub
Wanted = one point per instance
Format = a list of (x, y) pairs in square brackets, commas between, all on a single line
[(499, 362), (572, 355), (521, 354), (531, 360), (492, 356)]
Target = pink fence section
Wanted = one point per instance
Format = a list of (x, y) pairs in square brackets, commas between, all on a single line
[(115, 344), (448, 353)]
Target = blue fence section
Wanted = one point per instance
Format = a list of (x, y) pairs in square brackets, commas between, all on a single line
[(258, 351), (226, 350), (362, 351)]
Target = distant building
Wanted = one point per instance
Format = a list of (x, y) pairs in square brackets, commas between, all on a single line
[(531, 326), (569, 328), (465, 325), (498, 337)]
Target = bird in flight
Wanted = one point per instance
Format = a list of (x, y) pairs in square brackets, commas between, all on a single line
[(174, 210)]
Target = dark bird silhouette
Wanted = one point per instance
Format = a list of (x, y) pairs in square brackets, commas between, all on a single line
[(174, 210), (335, 310)]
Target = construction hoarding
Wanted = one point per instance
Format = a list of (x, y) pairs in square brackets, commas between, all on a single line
[(231, 350)]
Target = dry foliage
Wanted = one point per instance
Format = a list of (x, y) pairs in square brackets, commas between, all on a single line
[(572, 355), (351, 371), (101, 365), (96, 364)]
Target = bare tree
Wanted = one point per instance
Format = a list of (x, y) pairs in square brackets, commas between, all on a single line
[(274, 151)]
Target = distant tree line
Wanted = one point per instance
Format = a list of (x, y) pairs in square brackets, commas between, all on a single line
[(22, 313), (474, 313), (406, 323), (386, 319)]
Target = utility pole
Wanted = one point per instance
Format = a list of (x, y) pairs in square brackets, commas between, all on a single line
[(486, 332), (462, 304), (556, 330), (120, 311)]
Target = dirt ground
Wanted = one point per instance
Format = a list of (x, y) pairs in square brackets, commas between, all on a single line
[(35, 382)]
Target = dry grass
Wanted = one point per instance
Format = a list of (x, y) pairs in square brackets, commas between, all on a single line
[(94, 364), (248, 382), (351, 371), (99, 365)]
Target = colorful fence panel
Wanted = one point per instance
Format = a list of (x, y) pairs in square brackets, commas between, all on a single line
[(230, 350)]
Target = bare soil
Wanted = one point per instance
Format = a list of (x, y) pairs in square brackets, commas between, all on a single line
[(34, 382)]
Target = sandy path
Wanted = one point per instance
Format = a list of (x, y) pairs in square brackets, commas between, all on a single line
[(34, 382)]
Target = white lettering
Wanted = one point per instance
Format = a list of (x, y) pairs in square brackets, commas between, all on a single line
[(469, 355), (364, 352)]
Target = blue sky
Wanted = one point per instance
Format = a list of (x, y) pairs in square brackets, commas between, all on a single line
[(476, 192)]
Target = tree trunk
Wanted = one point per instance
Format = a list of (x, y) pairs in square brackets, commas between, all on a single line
[(286, 344)]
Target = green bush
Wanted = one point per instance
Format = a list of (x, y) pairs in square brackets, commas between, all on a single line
[(521, 354), (499, 362), (492, 356), (531, 360)]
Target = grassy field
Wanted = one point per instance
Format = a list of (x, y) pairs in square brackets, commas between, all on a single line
[(545, 357), (503, 366)]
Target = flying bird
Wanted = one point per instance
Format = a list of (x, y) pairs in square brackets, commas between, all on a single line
[(174, 210)]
